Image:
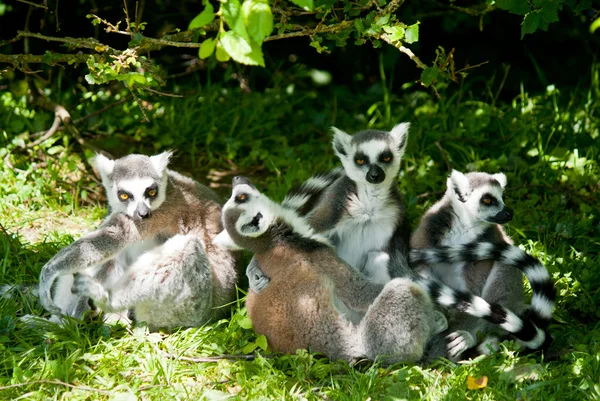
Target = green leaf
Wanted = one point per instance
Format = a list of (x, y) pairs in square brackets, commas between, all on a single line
[(530, 23), (359, 25), (261, 341), (258, 19), (205, 17), (307, 5), (221, 53), (595, 25), (428, 75), (395, 33), (520, 7), (411, 35), (207, 48), (381, 21), (249, 348), (244, 322), (241, 50), (549, 13), (232, 12)]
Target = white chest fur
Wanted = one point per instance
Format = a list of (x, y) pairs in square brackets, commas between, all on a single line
[(368, 225)]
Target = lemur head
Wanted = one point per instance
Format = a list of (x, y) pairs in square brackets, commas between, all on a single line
[(371, 156), (135, 184), (478, 197), (253, 222)]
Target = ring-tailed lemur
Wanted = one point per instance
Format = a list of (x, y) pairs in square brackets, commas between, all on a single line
[(463, 227), (359, 207), (304, 271), (316, 301), (153, 254)]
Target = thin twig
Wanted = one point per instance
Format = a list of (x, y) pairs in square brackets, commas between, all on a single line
[(31, 3), (161, 93), (443, 152), (209, 359), (102, 110), (57, 382), (311, 31), (49, 133)]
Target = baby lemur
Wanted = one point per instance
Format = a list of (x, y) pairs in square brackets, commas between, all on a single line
[(465, 224), (153, 253)]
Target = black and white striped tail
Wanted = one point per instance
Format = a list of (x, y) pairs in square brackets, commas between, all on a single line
[(523, 328), (304, 197), (544, 295)]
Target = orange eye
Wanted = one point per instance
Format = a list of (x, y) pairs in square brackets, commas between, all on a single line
[(360, 162), (487, 201), (387, 158), (241, 198), (152, 193), (123, 196)]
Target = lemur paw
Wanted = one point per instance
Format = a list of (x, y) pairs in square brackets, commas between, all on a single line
[(458, 342), (86, 286), (376, 267), (440, 323)]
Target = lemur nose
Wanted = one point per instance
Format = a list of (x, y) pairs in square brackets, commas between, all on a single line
[(375, 175), (144, 214), (508, 212), (240, 179)]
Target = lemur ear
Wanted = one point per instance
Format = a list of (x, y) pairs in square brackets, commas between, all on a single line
[(104, 165), (400, 135), (501, 178), (460, 185), (341, 142), (161, 161), (224, 240)]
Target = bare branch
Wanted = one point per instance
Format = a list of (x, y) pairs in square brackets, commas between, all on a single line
[(31, 3), (311, 31)]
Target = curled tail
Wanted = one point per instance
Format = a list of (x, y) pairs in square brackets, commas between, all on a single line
[(305, 196), (523, 328), (544, 294)]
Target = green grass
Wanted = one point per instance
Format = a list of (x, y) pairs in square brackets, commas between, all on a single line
[(547, 144)]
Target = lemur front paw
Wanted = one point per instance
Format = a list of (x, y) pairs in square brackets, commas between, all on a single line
[(86, 286), (376, 267), (458, 342)]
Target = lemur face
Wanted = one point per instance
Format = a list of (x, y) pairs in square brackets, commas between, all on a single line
[(480, 196), (136, 184), (247, 215), (372, 157)]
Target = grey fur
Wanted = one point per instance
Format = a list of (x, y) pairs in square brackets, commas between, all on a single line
[(161, 266), (314, 300)]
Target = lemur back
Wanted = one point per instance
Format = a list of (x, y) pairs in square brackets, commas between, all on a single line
[(470, 215), (359, 208)]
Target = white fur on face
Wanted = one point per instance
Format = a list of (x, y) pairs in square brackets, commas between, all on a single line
[(137, 189), (269, 212), (373, 150)]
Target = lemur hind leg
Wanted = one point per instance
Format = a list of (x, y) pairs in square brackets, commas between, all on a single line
[(175, 276), (398, 324)]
